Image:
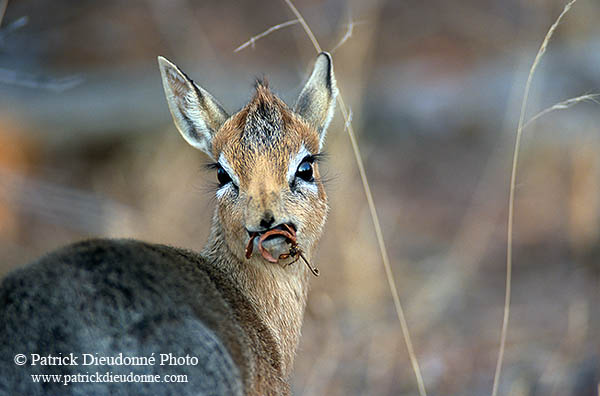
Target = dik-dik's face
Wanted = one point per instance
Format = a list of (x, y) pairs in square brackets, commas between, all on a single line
[(265, 156)]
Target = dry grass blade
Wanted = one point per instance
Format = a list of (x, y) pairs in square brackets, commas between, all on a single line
[(511, 199), (565, 104), (265, 33), (348, 122), (305, 26), (374, 216), (383, 251), (347, 35)]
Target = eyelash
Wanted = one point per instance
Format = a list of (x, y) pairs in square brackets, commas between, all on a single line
[(298, 180), (215, 166), (314, 158)]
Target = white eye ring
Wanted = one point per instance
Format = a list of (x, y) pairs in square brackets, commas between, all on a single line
[(224, 190), (295, 161), (227, 168)]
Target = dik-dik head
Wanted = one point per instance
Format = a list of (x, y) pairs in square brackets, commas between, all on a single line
[(265, 156)]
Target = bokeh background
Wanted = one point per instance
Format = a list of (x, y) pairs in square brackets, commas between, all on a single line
[(87, 148)]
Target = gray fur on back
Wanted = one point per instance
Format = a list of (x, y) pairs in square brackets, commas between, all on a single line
[(110, 297)]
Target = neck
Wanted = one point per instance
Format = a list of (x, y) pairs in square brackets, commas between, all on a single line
[(278, 293)]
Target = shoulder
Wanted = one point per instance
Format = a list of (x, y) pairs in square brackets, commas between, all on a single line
[(110, 254), (122, 269)]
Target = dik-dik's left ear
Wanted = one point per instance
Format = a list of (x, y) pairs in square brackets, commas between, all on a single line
[(316, 103), (197, 115)]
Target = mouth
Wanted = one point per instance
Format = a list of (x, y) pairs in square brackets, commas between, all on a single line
[(272, 233), (272, 241), (276, 240)]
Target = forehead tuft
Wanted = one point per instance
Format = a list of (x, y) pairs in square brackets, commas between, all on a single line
[(264, 124), (266, 118)]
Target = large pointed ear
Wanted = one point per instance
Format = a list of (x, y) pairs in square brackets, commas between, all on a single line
[(316, 103), (197, 115)]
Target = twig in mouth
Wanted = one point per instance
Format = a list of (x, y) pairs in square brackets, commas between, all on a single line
[(295, 251)]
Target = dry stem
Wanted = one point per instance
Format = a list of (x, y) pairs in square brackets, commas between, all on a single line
[(305, 26), (374, 217), (565, 104), (511, 199), (270, 30), (348, 34)]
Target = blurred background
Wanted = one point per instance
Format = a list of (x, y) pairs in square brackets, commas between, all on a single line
[(87, 148)]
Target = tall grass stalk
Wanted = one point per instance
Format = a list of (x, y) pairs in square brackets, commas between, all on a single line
[(378, 232), (511, 198)]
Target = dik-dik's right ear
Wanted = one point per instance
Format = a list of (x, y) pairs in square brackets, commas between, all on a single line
[(316, 103), (197, 115)]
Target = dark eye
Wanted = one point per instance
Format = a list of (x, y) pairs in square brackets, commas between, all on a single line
[(222, 176), (305, 171)]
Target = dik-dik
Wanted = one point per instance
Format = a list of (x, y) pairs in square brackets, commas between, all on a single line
[(237, 313)]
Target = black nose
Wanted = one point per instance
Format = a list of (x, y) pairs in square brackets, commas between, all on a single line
[(267, 220)]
